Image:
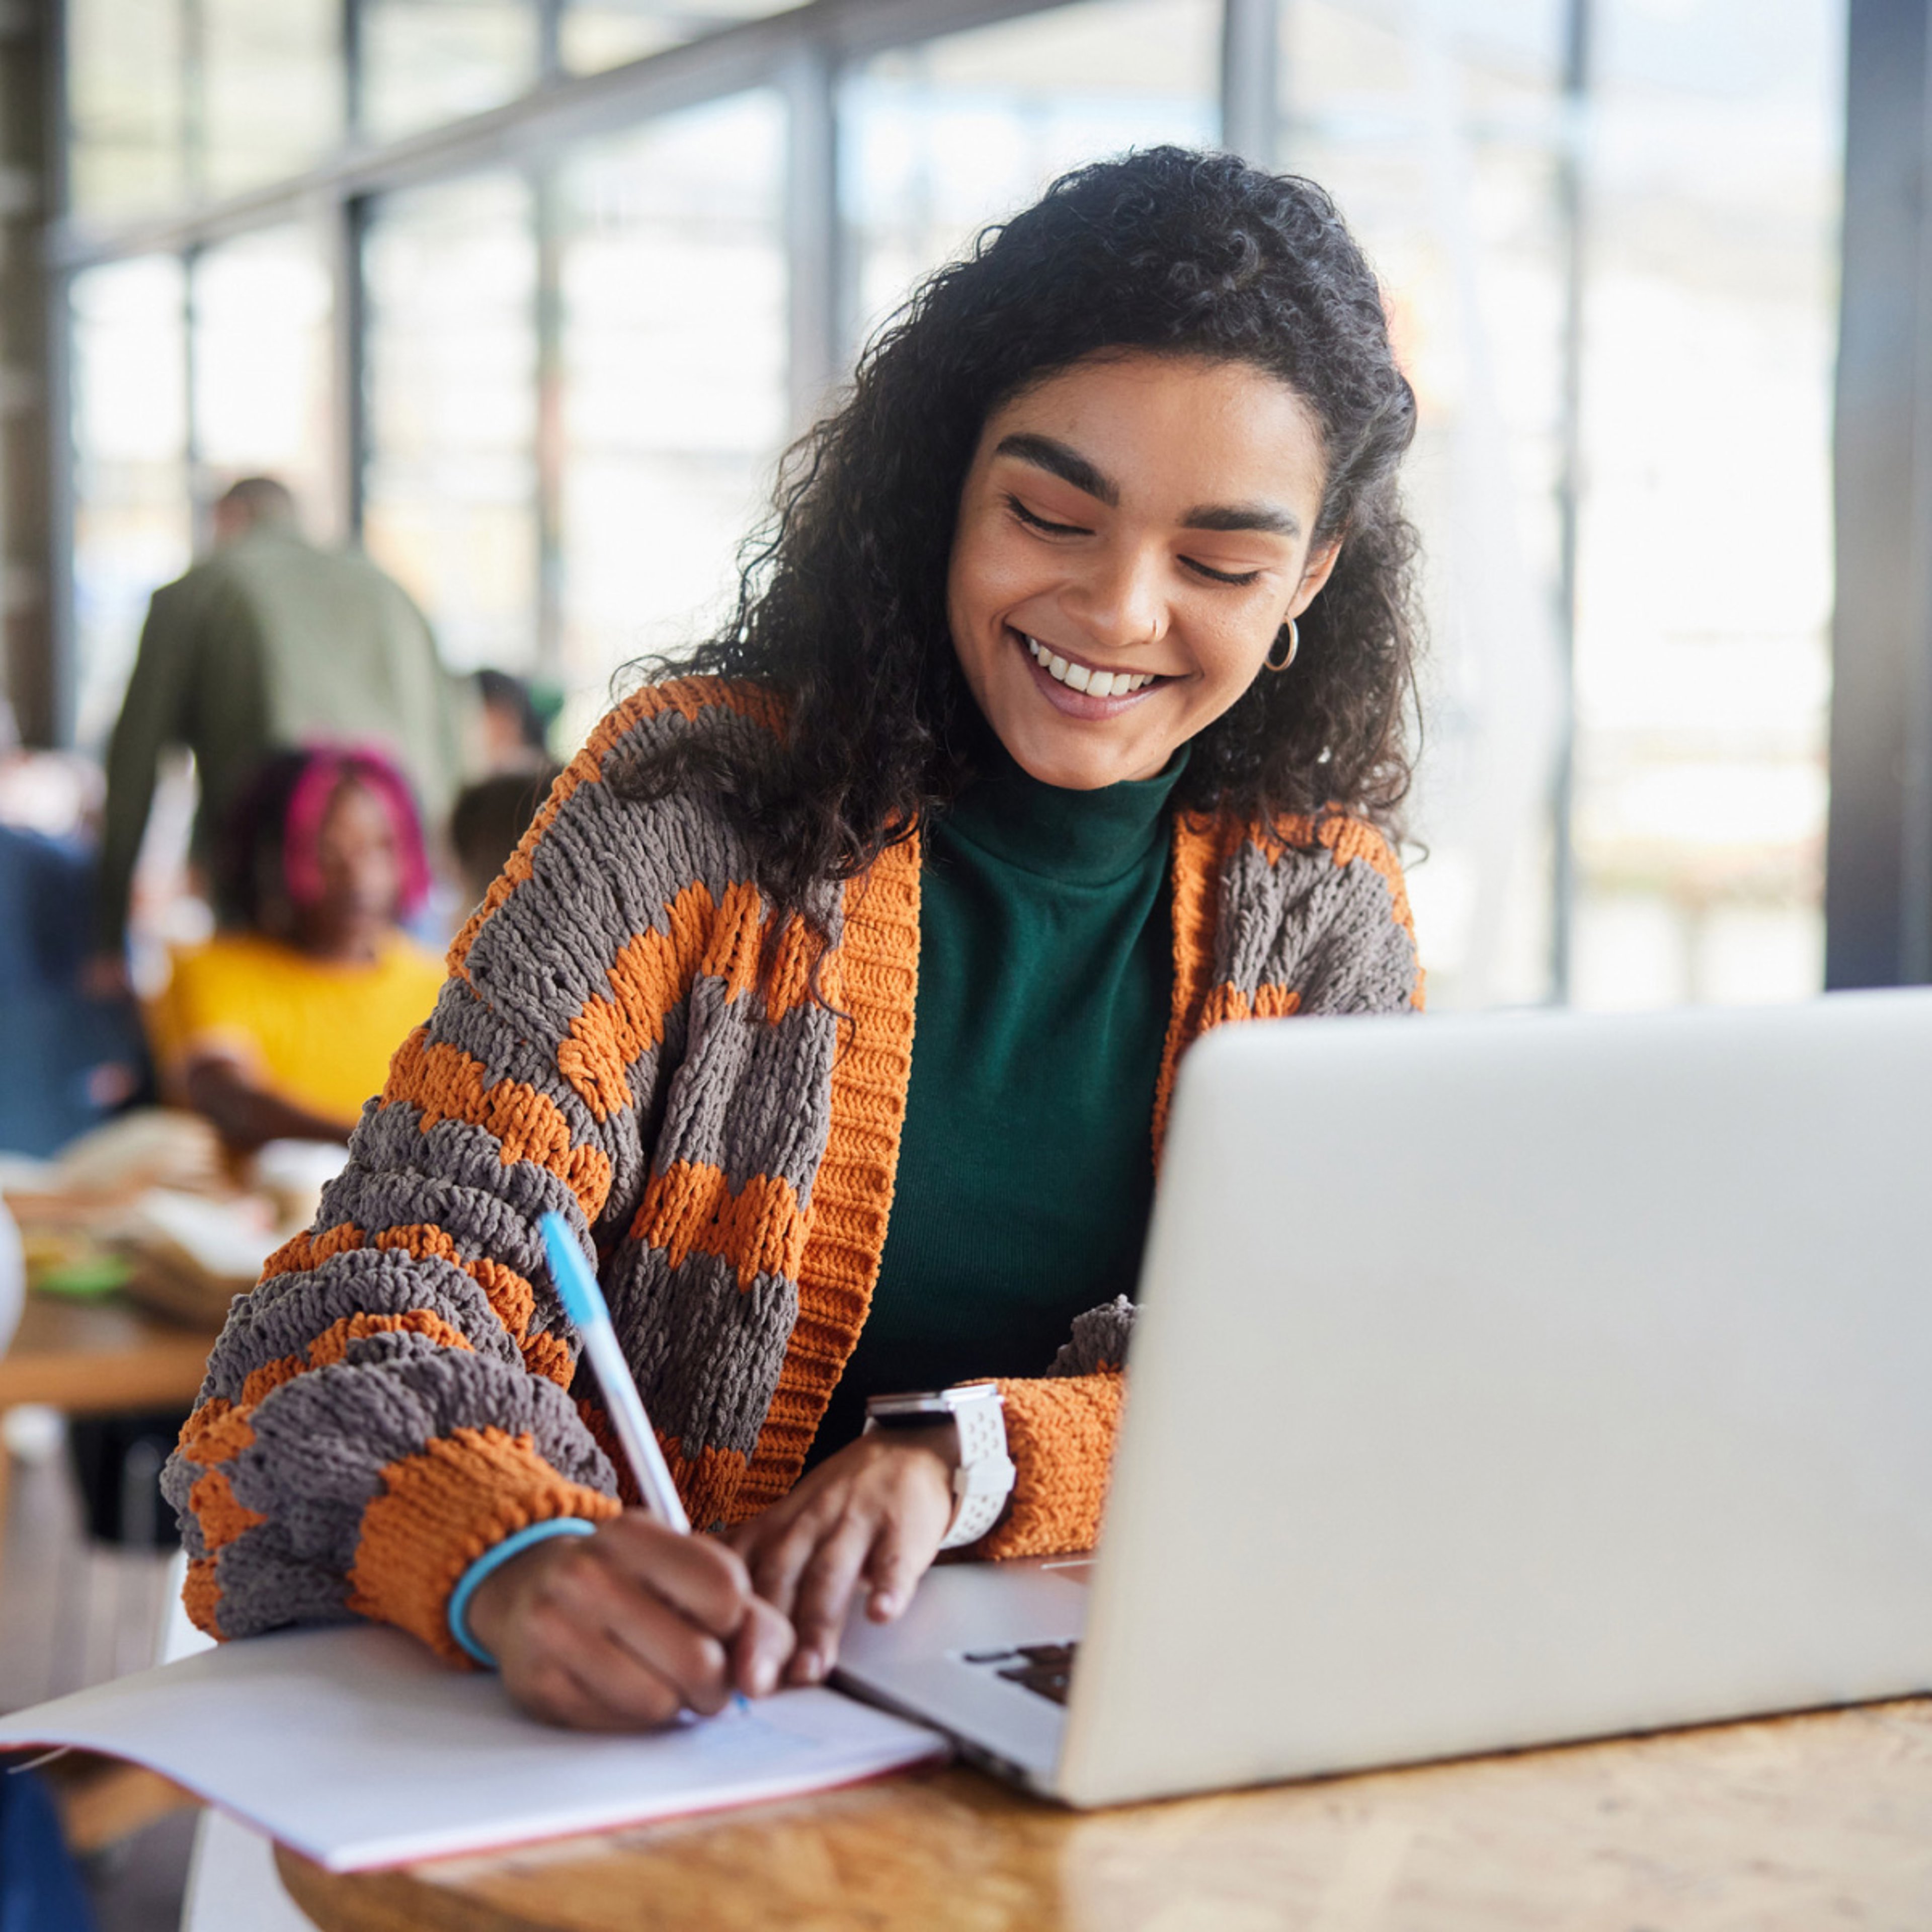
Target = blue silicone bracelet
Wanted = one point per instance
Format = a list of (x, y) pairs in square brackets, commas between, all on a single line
[(494, 1558)]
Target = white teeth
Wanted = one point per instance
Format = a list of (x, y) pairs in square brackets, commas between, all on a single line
[(1095, 683)]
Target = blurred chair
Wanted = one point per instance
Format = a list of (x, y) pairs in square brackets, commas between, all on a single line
[(232, 1879), (66, 1060), (40, 1889)]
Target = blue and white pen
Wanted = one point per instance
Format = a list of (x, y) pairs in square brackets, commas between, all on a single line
[(583, 1302)]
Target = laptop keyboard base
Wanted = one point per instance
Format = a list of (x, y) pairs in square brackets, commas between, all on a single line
[(1046, 1669)]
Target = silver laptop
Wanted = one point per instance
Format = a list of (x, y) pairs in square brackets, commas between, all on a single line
[(1499, 1381)]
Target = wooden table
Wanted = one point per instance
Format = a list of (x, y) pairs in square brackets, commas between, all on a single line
[(100, 1358), (97, 1358), (1796, 1825)]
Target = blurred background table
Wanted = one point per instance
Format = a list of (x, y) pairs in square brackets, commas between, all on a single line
[(1784, 1825), (96, 1358), (104, 1358)]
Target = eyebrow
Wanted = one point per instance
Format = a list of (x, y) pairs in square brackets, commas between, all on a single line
[(1263, 517), (1056, 459), (1059, 459)]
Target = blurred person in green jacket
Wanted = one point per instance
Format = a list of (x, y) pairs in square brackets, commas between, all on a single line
[(269, 640)]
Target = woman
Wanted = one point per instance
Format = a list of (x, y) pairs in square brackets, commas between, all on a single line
[(836, 993), (281, 1028)]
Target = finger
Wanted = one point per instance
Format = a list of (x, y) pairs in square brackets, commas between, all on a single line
[(901, 1555), (588, 1675), (698, 1575), (696, 1665), (778, 1562), (598, 1618), (551, 1690), (825, 1595), (751, 1538), (609, 1694), (761, 1649)]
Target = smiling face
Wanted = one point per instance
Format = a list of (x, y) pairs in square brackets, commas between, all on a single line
[(1133, 533)]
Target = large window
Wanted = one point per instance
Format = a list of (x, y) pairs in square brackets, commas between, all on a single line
[(593, 34), (542, 362), (127, 108), (450, 488), (939, 140), (1438, 130), (1660, 248), (269, 98), (428, 61), (131, 512), (673, 376), (1702, 661), (175, 101), (262, 309)]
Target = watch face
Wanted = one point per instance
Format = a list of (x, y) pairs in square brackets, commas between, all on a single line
[(932, 1405), (918, 1405)]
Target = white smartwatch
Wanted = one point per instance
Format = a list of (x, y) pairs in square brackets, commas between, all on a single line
[(982, 1475)]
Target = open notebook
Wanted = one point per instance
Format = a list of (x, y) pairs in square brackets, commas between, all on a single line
[(356, 1748)]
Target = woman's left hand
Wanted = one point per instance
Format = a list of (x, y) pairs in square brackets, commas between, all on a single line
[(870, 1517)]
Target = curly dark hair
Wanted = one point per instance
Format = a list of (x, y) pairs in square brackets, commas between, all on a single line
[(842, 607)]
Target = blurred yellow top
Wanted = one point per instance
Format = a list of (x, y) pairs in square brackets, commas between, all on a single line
[(317, 1032)]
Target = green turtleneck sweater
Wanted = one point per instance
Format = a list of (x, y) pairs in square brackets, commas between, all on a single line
[(1026, 1166)]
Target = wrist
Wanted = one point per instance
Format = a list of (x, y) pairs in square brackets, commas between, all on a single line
[(936, 1451), (937, 1438), (968, 1422), (485, 1597)]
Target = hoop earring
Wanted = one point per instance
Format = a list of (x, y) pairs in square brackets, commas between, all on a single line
[(1293, 645)]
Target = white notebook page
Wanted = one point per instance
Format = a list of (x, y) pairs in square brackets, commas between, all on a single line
[(357, 1748)]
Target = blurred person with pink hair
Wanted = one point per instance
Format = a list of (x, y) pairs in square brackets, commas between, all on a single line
[(282, 1025)]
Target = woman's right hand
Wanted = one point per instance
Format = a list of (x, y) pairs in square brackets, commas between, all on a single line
[(621, 1630)]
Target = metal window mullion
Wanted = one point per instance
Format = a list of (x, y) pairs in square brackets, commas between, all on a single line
[(547, 429), (817, 336), (1915, 788), (194, 97), (348, 224), (351, 72), (549, 41), (199, 507), (1250, 55), (63, 667), (1572, 187), (1876, 890)]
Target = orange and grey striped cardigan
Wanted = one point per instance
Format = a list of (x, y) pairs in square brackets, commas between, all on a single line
[(399, 1392)]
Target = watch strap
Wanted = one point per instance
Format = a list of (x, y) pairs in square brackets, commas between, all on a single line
[(983, 1473), (984, 1479)]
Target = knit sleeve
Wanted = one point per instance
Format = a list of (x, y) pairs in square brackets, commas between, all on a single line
[(1060, 1433), (1061, 1428), (392, 1398), (1271, 928)]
